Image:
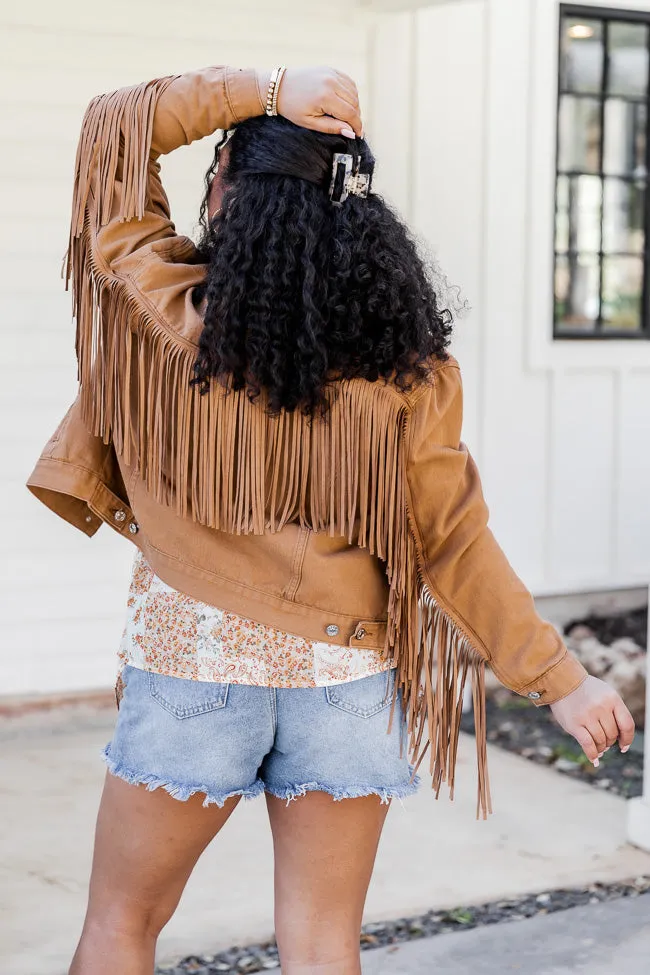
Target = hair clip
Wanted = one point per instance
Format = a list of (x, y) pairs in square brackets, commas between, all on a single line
[(356, 183)]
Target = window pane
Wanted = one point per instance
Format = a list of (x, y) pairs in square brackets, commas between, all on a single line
[(622, 293), (579, 204), (628, 59), (625, 138), (624, 217), (579, 135), (581, 59), (577, 285)]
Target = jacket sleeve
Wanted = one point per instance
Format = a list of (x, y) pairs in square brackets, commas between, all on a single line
[(78, 478), (118, 194), (461, 564)]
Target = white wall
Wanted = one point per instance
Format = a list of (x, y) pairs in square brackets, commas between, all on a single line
[(62, 595), (561, 430)]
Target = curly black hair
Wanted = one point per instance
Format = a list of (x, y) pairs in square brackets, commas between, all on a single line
[(301, 292)]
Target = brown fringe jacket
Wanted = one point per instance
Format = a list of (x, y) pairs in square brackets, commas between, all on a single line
[(369, 529)]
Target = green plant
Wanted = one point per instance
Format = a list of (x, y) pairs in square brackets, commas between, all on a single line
[(571, 753), (460, 916), (515, 703)]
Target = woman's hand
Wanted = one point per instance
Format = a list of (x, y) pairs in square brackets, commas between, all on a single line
[(596, 717), (323, 99)]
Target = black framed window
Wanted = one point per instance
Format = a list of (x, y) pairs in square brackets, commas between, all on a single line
[(602, 224)]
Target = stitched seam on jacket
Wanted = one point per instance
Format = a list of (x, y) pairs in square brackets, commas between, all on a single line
[(126, 280), (102, 489), (566, 656), (74, 467), (259, 93), (297, 561), (130, 490), (226, 86), (58, 433), (413, 526), (243, 585), (412, 399)]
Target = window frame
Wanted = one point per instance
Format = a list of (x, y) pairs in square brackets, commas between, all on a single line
[(605, 15)]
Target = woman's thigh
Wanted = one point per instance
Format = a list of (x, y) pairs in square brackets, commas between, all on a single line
[(146, 846), (182, 753), (324, 856)]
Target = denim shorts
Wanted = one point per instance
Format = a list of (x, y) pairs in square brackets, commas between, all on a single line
[(224, 740)]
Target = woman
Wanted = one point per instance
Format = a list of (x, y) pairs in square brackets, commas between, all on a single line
[(274, 420)]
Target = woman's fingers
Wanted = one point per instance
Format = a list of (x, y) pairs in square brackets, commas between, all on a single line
[(609, 727), (625, 725), (332, 126), (595, 729), (350, 93), (602, 730), (346, 111), (322, 99), (345, 84), (596, 717), (586, 741)]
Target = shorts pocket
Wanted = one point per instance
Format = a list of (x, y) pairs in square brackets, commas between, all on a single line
[(364, 696), (184, 697)]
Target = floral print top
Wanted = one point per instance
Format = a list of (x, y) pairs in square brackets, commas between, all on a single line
[(170, 633)]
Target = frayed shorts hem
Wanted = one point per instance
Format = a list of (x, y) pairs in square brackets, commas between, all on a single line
[(290, 793), (175, 790), (353, 792)]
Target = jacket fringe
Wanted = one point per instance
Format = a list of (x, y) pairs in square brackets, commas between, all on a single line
[(223, 461)]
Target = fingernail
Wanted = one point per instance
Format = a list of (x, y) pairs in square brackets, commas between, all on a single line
[(596, 763), (348, 132), (626, 749)]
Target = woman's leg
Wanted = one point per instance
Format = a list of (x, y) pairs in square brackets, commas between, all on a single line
[(146, 846), (324, 855)]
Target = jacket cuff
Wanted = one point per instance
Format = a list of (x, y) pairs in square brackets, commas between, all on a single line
[(80, 498), (563, 678), (243, 94), (64, 488)]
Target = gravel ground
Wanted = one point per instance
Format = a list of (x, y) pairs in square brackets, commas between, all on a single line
[(607, 629), (264, 957)]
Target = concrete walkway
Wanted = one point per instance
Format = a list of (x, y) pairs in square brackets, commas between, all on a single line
[(594, 940), (547, 831)]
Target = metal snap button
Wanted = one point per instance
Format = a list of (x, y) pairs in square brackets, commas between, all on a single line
[(332, 629), (359, 635), (89, 518), (120, 515), (133, 528), (534, 695)]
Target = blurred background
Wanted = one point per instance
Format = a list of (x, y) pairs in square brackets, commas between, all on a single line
[(512, 135)]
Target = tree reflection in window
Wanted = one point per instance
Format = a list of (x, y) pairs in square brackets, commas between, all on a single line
[(601, 215)]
